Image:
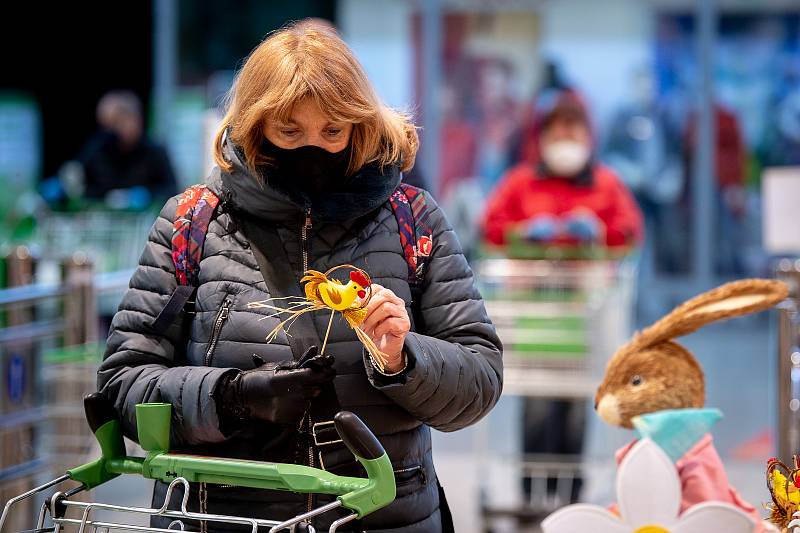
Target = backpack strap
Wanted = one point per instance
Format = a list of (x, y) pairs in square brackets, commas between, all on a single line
[(416, 236), (196, 208)]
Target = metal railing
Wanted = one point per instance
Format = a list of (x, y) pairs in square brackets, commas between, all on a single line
[(46, 306), (788, 362)]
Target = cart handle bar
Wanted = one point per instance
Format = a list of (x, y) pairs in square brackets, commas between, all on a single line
[(361, 495)]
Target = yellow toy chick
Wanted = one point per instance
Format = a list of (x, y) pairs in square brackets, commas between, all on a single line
[(782, 485), (333, 293), (788, 493), (322, 292)]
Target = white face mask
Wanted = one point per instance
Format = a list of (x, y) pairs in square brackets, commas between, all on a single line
[(566, 158)]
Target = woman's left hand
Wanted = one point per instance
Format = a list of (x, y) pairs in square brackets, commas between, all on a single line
[(387, 324)]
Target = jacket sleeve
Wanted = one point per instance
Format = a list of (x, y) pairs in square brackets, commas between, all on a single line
[(142, 366), (624, 225), (455, 370), (503, 209)]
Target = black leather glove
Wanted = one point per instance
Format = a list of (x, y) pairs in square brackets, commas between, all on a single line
[(276, 392)]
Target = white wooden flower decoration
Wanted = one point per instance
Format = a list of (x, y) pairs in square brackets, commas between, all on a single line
[(795, 524), (649, 496)]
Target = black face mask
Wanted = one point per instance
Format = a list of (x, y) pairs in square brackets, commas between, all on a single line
[(307, 171)]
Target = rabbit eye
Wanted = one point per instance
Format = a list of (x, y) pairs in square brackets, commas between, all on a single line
[(637, 380)]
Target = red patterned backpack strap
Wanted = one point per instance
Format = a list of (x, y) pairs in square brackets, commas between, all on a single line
[(416, 236), (195, 210)]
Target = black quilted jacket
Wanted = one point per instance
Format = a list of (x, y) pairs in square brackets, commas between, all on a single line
[(454, 375)]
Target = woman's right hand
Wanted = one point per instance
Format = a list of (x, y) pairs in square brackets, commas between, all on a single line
[(278, 392)]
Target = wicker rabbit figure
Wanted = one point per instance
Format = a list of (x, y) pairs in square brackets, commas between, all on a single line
[(653, 374)]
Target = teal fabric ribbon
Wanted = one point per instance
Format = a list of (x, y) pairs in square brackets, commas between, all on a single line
[(676, 430)]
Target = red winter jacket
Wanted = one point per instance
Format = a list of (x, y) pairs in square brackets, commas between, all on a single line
[(523, 195)]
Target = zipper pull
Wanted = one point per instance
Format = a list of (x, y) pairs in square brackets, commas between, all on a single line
[(305, 234), (226, 309)]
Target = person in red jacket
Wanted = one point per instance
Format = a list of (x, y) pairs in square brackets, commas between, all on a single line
[(558, 193)]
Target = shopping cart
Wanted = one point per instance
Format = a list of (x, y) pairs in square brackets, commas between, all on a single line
[(559, 321), (361, 496), (112, 239)]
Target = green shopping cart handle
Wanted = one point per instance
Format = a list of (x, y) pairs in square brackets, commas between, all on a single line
[(361, 495)]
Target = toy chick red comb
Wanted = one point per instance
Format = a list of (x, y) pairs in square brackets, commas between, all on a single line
[(360, 277)]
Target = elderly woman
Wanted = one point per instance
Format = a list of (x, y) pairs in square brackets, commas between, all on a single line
[(308, 160)]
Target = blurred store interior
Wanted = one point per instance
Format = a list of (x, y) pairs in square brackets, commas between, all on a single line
[(694, 104)]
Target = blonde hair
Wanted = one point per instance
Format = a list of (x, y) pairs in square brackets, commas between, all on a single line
[(309, 59)]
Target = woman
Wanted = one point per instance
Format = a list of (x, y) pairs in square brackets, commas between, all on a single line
[(307, 158)]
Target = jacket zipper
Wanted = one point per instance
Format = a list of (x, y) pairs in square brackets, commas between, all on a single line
[(305, 232), (311, 464), (418, 471), (222, 316)]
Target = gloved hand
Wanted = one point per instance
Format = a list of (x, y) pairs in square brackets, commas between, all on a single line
[(542, 228), (583, 226), (276, 392), (139, 198)]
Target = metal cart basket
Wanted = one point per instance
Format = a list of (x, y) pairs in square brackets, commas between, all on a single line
[(111, 240), (559, 320), (360, 496)]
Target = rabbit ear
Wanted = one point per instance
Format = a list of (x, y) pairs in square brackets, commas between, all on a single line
[(727, 301)]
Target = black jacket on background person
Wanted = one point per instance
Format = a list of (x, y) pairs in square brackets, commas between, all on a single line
[(107, 167), (454, 372)]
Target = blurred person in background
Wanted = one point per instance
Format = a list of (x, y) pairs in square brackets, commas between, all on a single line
[(730, 159), (562, 197), (497, 120), (121, 166), (644, 148), (459, 190), (459, 142), (308, 159)]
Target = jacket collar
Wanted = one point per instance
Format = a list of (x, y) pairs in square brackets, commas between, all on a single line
[(366, 190)]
